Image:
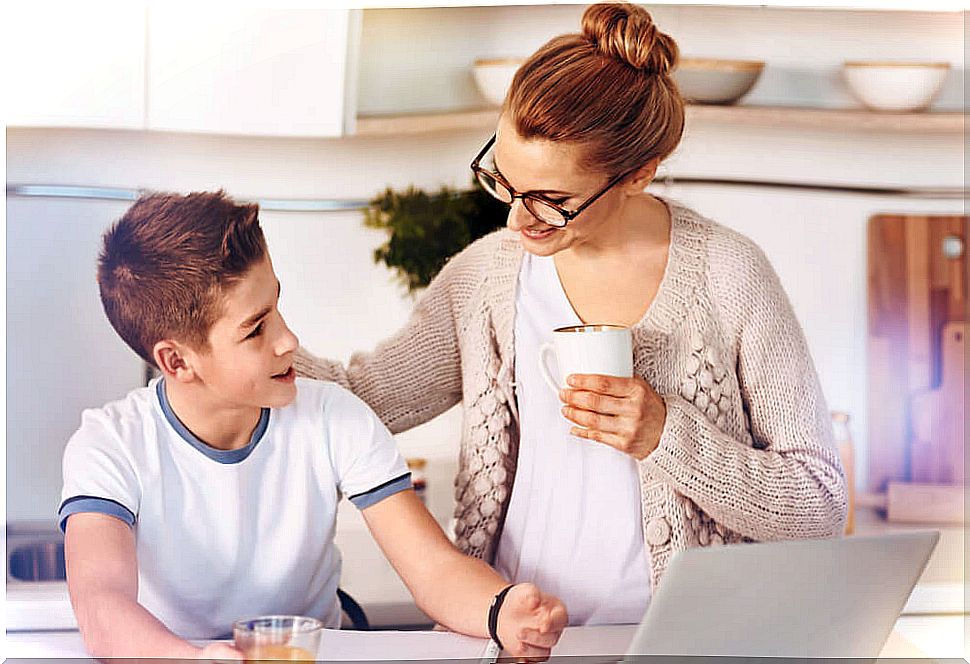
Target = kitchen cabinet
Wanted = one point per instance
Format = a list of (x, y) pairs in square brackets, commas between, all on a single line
[(251, 70), (63, 356), (76, 64)]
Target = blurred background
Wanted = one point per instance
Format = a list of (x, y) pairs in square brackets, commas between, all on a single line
[(851, 178)]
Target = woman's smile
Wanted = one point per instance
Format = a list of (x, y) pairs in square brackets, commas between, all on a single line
[(538, 233)]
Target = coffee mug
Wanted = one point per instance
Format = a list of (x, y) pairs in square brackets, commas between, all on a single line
[(587, 349)]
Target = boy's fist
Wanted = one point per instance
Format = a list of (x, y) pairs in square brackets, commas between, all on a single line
[(530, 622), (220, 652)]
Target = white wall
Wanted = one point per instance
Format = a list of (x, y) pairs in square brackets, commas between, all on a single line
[(338, 301)]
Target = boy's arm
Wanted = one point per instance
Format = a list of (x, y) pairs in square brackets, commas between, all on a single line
[(457, 590), (102, 579)]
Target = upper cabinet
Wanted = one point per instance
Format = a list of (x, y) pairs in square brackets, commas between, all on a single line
[(250, 70), (78, 64), (124, 64)]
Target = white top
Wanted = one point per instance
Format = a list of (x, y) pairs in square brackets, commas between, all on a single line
[(225, 535), (573, 525)]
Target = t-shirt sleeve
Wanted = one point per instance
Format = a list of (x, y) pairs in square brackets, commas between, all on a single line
[(365, 458), (98, 474)]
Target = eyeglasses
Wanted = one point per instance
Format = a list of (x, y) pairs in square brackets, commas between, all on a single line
[(542, 209)]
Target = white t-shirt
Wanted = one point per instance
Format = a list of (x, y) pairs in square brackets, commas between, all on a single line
[(225, 535), (573, 525)]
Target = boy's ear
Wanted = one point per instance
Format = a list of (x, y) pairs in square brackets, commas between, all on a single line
[(172, 358), (643, 176)]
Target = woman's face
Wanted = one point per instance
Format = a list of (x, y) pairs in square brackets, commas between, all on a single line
[(553, 170)]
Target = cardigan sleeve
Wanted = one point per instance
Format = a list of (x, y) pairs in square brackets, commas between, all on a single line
[(414, 375), (789, 483)]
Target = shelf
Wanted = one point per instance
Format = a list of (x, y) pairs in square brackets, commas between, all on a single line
[(760, 116), (854, 5)]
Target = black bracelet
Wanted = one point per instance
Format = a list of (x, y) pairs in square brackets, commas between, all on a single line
[(493, 615)]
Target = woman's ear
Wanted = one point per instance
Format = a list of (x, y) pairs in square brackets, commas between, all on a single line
[(642, 177), (173, 360)]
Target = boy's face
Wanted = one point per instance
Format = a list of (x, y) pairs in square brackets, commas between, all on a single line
[(250, 356)]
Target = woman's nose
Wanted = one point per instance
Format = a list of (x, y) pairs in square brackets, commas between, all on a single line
[(519, 217)]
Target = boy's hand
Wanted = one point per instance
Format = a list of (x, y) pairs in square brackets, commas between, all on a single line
[(530, 622), (220, 651)]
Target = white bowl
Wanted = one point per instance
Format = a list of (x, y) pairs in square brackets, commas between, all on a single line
[(493, 77), (709, 81), (896, 86)]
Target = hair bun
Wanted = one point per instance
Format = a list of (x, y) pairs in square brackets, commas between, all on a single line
[(627, 33)]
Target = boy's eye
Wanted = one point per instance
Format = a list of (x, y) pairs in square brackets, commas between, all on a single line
[(256, 331)]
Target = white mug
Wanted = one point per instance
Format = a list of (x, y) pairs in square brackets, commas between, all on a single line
[(587, 349)]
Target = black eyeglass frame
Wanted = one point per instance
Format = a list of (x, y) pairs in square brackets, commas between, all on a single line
[(567, 215)]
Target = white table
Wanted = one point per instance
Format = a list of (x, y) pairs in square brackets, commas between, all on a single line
[(913, 636)]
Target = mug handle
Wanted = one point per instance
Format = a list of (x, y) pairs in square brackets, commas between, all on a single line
[(545, 350)]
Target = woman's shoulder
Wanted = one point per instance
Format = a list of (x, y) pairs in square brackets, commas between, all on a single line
[(496, 251), (729, 254)]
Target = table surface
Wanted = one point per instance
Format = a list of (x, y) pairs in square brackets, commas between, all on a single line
[(912, 636)]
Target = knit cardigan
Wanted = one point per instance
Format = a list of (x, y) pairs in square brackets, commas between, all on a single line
[(746, 452)]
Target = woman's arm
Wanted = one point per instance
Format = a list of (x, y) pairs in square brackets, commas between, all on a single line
[(790, 483), (102, 579), (415, 375)]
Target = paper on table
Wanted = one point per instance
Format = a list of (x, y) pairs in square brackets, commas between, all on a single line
[(348, 645)]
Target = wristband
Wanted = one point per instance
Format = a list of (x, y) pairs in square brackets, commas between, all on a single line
[(493, 615)]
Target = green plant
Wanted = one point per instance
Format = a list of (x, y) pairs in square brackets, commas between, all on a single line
[(425, 230)]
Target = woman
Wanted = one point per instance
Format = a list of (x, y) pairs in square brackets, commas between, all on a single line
[(721, 436)]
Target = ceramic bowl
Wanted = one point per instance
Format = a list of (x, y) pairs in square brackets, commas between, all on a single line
[(896, 86), (707, 81), (493, 77)]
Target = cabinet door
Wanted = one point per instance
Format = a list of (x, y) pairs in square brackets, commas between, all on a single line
[(79, 64), (248, 70), (62, 354)]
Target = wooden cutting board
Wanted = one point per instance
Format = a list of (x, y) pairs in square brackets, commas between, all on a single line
[(917, 284), (936, 454)]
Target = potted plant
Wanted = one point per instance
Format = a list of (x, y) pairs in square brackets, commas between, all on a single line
[(425, 230)]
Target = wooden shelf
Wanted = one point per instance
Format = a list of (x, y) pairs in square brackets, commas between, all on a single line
[(780, 117)]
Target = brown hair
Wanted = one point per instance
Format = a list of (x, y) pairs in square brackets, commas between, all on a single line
[(608, 89), (165, 264)]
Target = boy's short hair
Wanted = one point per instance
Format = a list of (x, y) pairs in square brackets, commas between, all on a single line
[(166, 263)]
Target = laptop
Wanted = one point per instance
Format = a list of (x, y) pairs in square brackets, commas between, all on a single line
[(806, 598)]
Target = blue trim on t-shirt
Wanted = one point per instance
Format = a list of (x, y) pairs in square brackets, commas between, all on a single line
[(78, 504), (382, 491), (222, 456)]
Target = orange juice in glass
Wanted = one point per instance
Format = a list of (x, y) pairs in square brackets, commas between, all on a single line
[(278, 638)]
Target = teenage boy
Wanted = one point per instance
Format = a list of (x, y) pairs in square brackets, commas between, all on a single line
[(211, 494)]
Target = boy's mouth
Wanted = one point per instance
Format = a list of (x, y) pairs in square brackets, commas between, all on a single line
[(286, 376)]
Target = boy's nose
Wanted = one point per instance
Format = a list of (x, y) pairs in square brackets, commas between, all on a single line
[(288, 341)]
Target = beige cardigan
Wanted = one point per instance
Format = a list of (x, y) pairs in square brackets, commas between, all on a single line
[(746, 452)]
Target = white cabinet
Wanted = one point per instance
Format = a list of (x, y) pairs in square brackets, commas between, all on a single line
[(78, 64), (250, 70)]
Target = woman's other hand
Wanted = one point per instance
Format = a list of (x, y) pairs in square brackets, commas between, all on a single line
[(624, 413), (530, 622)]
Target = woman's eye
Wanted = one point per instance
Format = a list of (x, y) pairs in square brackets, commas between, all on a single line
[(256, 332)]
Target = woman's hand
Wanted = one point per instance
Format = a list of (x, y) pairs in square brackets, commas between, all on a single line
[(624, 413), (530, 622)]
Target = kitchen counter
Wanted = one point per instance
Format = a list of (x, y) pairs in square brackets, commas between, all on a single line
[(370, 579), (917, 636)]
